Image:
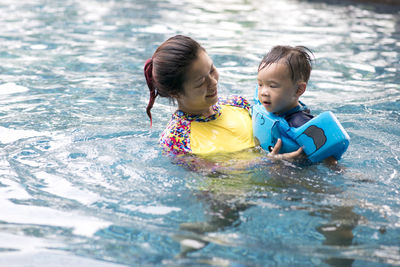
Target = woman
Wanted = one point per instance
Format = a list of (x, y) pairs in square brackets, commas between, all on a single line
[(203, 124), (181, 69)]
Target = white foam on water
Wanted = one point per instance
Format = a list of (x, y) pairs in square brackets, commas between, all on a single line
[(32, 252), (39, 47), (11, 135), (12, 88), (35, 215), (82, 224), (155, 210), (59, 186)]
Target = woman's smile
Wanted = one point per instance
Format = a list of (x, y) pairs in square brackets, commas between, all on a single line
[(213, 94)]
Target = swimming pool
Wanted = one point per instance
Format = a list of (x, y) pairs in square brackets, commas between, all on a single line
[(83, 182)]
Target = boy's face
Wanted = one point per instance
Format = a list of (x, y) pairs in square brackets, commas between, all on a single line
[(276, 91)]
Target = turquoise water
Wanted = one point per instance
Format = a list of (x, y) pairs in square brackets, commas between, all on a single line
[(83, 182)]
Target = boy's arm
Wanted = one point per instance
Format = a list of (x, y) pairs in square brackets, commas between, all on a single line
[(291, 155)]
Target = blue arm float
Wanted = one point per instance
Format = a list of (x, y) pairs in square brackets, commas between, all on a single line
[(321, 137), (267, 128)]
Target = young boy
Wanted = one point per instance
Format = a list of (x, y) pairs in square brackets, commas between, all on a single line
[(282, 78)]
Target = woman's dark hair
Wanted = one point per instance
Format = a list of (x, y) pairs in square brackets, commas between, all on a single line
[(166, 70), (298, 59)]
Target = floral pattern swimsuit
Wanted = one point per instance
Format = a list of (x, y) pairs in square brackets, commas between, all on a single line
[(229, 129)]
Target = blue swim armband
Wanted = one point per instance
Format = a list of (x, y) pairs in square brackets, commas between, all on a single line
[(321, 137)]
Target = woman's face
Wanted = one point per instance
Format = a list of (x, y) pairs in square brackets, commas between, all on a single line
[(200, 88)]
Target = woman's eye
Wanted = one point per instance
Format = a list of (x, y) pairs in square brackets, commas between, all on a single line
[(199, 85)]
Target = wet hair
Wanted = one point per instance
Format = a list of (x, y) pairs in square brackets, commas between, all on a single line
[(166, 70), (298, 59)]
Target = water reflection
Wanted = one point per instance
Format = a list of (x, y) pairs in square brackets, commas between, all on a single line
[(227, 194), (338, 232)]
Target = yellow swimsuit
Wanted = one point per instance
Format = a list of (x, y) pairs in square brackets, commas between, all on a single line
[(228, 130)]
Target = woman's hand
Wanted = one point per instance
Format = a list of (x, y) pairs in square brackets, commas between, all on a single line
[(291, 155)]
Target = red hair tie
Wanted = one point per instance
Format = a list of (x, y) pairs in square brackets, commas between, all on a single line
[(148, 73)]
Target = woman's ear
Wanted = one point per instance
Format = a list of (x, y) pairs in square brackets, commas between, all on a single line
[(175, 95), (301, 88)]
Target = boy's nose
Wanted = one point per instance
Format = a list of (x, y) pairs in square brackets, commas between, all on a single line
[(264, 90)]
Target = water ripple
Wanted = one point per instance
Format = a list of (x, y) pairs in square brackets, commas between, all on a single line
[(83, 180)]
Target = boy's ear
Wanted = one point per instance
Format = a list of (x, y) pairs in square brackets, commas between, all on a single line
[(301, 88)]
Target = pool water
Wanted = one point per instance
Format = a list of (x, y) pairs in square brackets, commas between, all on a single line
[(83, 181)]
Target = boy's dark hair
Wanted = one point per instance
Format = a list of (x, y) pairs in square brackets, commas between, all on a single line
[(298, 59)]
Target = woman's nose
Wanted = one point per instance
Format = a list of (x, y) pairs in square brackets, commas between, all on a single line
[(212, 81)]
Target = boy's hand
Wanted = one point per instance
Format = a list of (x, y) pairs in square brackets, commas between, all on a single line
[(291, 155)]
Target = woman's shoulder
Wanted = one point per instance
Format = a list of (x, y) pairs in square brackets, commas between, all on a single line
[(235, 100), (175, 139)]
